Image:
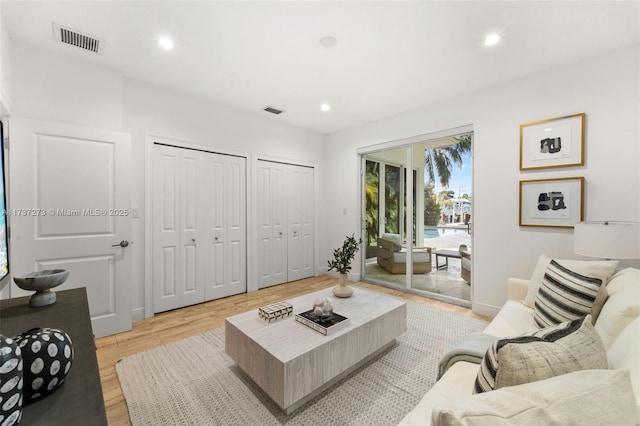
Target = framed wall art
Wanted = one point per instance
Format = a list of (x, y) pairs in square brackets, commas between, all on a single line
[(552, 202), (555, 142)]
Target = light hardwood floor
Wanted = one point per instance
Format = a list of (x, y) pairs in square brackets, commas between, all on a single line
[(181, 323)]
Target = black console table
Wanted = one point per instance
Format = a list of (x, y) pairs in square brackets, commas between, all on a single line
[(79, 400)]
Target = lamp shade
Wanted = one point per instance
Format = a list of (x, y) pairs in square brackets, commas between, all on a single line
[(607, 240)]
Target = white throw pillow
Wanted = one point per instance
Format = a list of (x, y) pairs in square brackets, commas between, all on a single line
[(586, 397), (622, 307), (602, 269), (552, 351)]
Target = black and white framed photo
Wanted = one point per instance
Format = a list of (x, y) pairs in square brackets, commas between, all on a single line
[(555, 142), (552, 202)]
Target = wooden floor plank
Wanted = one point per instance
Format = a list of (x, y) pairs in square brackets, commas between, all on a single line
[(186, 322)]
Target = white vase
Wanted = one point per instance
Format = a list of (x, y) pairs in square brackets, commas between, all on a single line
[(342, 290)]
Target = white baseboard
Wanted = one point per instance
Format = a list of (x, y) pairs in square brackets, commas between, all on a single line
[(137, 314), (485, 310)]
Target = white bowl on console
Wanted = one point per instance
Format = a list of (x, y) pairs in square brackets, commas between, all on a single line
[(41, 282)]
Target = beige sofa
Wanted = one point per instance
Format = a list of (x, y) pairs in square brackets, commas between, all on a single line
[(592, 396), (392, 257)]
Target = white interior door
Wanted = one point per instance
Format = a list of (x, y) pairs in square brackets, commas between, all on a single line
[(285, 231), (300, 220), (178, 228), (199, 227), (226, 272), (76, 181), (272, 224)]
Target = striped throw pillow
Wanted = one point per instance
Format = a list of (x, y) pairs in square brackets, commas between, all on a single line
[(552, 351), (565, 295)]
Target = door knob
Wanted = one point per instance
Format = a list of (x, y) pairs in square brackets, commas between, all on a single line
[(281, 234), (215, 238), (123, 244), (193, 239)]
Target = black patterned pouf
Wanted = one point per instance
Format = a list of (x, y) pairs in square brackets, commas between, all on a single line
[(10, 382), (47, 354)]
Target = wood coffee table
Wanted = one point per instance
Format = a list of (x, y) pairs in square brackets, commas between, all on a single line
[(292, 363)]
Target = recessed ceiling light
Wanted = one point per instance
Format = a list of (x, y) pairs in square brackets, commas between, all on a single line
[(491, 39), (325, 107), (166, 43), (328, 42)]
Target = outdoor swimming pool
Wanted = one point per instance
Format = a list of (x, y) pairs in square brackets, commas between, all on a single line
[(439, 232)]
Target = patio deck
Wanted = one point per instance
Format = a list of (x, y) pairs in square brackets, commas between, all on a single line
[(445, 282)]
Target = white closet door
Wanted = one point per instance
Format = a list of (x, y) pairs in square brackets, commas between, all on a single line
[(178, 275), (191, 283), (272, 238), (285, 200), (226, 236), (300, 223)]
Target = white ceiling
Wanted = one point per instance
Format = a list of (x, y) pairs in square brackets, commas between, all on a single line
[(391, 56)]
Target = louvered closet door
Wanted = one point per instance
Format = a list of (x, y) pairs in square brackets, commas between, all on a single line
[(178, 217), (226, 269)]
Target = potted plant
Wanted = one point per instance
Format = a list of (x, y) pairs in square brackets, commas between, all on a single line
[(341, 262)]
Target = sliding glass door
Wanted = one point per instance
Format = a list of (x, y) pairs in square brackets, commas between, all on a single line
[(405, 245)]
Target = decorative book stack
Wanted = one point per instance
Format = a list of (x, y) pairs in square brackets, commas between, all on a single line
[(326, 326), (275, 311)]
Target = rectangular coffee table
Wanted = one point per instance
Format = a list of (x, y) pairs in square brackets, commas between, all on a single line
[(292, 363), (446, 253)]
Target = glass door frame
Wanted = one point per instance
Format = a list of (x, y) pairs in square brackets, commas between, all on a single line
[(407, 143)]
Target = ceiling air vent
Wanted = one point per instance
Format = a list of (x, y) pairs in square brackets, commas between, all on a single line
[(77, 39), (273, 110)]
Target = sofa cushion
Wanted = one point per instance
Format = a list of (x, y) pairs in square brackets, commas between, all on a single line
[(624, 354), (560, 349), (589, 268), (456, 382), (595, 397), (513, 319), (622, 307), (419, 256), (396, 239), (564, 295)]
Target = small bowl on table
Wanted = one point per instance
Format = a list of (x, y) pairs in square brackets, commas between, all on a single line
[(41, 282)]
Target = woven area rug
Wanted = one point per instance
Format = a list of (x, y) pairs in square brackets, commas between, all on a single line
[(194, 382)]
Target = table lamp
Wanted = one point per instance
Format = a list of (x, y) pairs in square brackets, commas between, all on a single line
[(607, 240)]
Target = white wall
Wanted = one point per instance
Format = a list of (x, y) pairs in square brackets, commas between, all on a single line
[(62, 89), (149, 110), (5, 69), (52, 87), (56, 88), (606, 88)]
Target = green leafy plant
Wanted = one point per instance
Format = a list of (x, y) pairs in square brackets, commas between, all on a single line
[(344, 255)]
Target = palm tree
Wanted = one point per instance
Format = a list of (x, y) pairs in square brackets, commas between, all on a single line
[(371, 197), (440, 161)]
